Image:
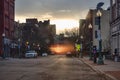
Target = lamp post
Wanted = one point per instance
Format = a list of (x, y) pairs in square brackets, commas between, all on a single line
[(90, 28), (19, 47), (81, 55), (100, 58), (3, 45)]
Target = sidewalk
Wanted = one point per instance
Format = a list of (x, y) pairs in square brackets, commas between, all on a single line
[(109, 68)]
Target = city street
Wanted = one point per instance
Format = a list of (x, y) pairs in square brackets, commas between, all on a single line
[(53, 67)]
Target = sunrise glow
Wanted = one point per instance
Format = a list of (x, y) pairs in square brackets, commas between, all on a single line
[(63, 24), (61, 48)]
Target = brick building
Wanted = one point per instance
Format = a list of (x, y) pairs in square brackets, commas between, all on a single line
[(7, 8), (115, 25)]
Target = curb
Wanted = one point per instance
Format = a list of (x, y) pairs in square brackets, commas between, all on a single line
[(98, 71)]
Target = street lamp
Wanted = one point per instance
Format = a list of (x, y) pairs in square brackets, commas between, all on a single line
[(81, 37), (100, 58), (3, 45), (27, 46), (90, 27)]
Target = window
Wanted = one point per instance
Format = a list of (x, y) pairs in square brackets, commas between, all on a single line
[(6, 21), (118, 8), (96, 36), (6, 6), (11, 12)]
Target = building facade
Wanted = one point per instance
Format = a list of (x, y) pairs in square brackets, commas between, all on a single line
[(91, 30), (115, 25), (7, 9), (82, 29), (53, 29), (38, 32)]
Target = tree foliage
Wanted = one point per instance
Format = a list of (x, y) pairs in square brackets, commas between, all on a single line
[(72, 33)]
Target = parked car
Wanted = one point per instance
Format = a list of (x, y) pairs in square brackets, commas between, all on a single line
[(44, 54), (69, 54), (31, 54)]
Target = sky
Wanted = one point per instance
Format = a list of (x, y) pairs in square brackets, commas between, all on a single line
[(64, 13)]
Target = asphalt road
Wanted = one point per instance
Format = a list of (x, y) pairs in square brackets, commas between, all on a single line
[(55, 67)]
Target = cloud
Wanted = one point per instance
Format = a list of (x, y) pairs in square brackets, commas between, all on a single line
[(55, 8), (47, 16), (64, 11)]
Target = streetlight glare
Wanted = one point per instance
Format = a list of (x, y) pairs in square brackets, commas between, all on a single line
[(99, 13), (3, 34), (81, 37), (90, 26)]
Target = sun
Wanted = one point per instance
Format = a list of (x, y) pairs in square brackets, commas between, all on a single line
[(63, 24)]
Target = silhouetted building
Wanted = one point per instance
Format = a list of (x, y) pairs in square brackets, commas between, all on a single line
[(38, 32), (82, 30), (44, 23), (52, 29), (32, 20), (81, 27)]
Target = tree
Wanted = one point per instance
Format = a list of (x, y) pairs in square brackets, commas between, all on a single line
[(72, 33)]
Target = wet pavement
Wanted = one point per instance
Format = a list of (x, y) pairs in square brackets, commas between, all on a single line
[(56, 67)]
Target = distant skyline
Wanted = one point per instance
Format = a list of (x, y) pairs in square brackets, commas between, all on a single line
[(59, 12)]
